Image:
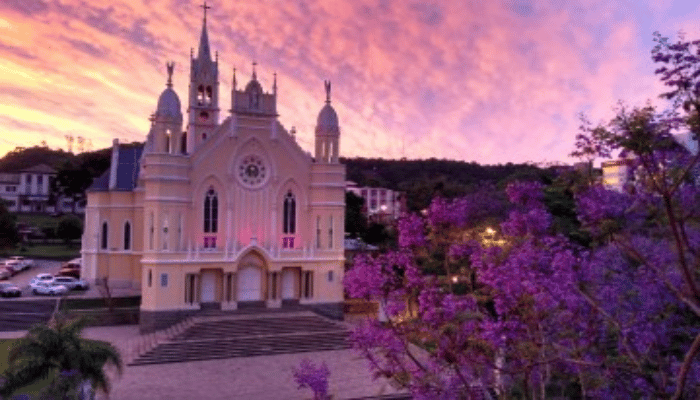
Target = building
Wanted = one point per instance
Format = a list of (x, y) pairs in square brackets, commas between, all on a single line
[(28, 190), (619, 173), (616, 173), (224, 212), (381, 204)]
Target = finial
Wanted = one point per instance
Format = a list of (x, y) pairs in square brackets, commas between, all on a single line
[(191, 52), (328, 91), (255, 77), (171, 67), (234, 78), (294, 132), (216, 56), (274, 83), (205, 7)]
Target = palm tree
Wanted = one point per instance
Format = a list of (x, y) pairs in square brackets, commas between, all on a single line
[(57, 349)]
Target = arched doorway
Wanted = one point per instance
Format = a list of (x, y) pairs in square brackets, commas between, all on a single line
[(251, 277)]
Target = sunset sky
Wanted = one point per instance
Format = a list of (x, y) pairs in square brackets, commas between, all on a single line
[(490, 81)]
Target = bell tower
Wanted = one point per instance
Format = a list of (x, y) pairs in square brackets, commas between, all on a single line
[(203, 109)]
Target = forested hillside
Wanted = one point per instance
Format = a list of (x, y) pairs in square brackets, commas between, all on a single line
[(420, 179)]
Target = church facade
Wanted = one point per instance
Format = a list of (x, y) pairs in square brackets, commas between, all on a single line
[(220, 212)]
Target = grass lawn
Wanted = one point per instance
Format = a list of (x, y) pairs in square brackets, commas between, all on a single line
[(50, 251)]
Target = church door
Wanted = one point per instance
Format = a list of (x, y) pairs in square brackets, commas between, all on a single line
[(249, 284), (289, 284), (208, 287)]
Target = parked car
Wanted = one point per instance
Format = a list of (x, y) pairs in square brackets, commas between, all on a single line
[(4, 273), (9, 290), (26, 262), (70, 282), (71, 268), (48, 288), (13, 266), (41, 278), (17, 264)]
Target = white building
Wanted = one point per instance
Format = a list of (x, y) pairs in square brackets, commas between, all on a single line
[(27, 190), (380, 203), (220, 211)]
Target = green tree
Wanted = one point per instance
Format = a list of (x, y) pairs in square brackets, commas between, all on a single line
[(355, 220), (69, 228), (57, 350), (9, 235), (71, 181)]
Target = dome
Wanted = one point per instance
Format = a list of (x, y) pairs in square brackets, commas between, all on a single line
[(327, 119), (168, 104)]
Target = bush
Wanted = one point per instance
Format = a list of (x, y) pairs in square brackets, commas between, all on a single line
[(69, 228)]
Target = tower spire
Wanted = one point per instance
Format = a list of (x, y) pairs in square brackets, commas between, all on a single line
[(204, 38), (328, 91)]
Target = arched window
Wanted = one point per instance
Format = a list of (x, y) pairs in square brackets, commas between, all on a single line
[(289, 214), (200, 95), (330, 232), (151, 232), (211, 211), (127, 236), (209, 95), (104, 235), (167, 141)]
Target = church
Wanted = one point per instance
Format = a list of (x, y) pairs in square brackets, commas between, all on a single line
[(227, 212)]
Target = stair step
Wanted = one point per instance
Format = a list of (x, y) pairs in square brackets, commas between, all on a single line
[(258, 335)]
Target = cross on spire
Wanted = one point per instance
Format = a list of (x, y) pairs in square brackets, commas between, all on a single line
[(170, 66), (327, 84), (205, 7)]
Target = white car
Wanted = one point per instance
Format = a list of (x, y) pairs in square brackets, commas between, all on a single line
[(14, 266), (26, 262), (48, 288), (70, 282), (40, 278)]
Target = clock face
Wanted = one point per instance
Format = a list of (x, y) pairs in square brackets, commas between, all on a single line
[(252, 171)]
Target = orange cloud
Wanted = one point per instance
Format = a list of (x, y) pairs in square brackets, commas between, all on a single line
[(486, 81)]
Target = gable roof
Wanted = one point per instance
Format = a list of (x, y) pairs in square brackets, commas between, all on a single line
[(127, 168), (39, 169)]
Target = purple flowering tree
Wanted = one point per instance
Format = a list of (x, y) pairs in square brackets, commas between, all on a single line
[(311, 376), (516, 310)]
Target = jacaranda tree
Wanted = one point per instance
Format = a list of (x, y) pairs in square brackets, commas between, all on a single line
[(519, 310)]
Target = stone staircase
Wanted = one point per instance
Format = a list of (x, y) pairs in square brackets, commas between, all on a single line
[(19, 315), (240, 335)]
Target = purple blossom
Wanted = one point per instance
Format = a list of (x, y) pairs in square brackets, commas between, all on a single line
[(313, 377)]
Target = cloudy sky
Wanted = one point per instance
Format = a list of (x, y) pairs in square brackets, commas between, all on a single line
[(490, 81)]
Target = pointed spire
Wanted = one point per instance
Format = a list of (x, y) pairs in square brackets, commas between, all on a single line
[(328, 91), (204, 38), (171, 67), (274, 83), (255, 76), (234, 78)]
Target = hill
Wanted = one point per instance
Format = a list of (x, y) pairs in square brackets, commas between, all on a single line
[(419, 179)]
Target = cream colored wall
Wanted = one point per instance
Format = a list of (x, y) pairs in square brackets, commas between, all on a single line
[(120, 266), (174, 185)]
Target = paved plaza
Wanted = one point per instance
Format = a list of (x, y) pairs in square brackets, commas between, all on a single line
[(253, 378)]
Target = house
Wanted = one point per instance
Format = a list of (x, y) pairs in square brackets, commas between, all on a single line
[(381, 204), (220, 211)]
